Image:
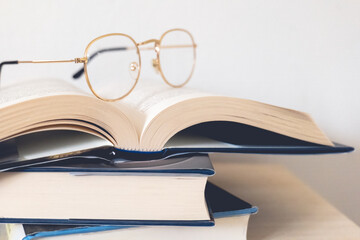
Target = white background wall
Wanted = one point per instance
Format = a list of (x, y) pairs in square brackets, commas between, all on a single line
[(298, 54)]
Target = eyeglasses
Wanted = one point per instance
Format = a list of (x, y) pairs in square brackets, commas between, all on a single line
[(112, 62)]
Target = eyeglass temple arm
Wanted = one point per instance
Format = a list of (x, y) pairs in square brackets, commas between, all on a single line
[(75, 60), (7, 63), (79, 73)]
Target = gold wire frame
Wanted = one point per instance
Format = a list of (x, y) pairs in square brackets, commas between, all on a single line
[(157, 48), (87, 75), (194, 54)]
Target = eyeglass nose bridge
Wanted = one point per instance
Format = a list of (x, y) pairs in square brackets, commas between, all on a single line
[(155, 41)]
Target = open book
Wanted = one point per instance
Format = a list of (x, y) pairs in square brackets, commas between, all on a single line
[(157, 117)]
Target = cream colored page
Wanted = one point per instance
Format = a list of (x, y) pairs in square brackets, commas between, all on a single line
[(13, 98), (33, 89), (150, 98), (147, 100)]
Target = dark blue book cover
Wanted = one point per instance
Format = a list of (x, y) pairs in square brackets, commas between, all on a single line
[(41, 148)]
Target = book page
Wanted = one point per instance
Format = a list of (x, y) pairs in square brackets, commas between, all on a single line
[(33, 89), (149, 98), (166, 111), (148, 117), (23, 106)]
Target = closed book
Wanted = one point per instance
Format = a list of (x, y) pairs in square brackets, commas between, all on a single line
[(231, 218), (156, 192)]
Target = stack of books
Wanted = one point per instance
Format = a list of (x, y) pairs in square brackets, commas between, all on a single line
[(81, 168)]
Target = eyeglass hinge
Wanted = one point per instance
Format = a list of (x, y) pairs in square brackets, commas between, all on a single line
[(81, 60)]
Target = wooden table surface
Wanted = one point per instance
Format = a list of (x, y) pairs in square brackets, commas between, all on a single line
[(288, 209)]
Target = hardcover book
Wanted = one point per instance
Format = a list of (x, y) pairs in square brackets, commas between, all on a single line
[(231, 218), (156, 192)]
